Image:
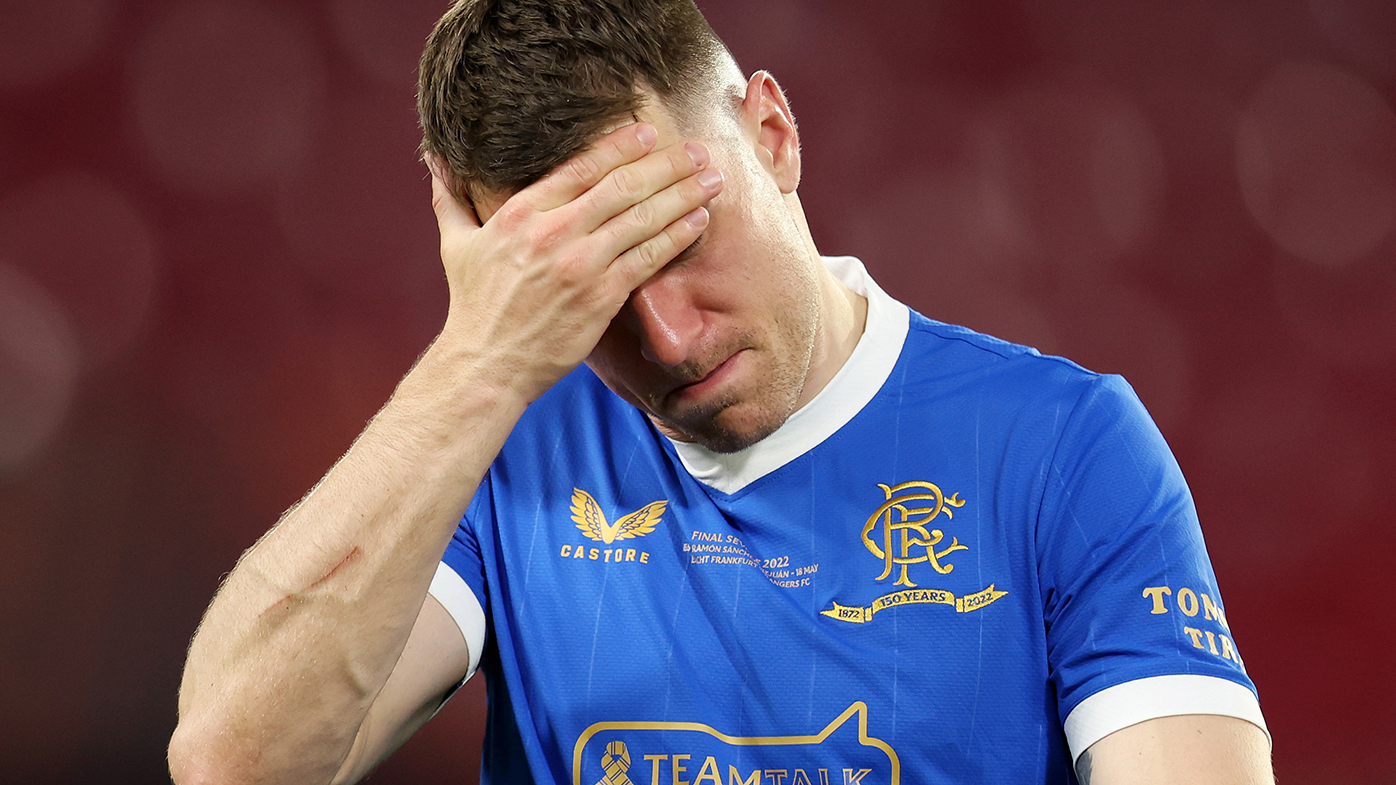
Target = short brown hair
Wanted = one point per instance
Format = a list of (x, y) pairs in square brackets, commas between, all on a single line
[(509, 89)]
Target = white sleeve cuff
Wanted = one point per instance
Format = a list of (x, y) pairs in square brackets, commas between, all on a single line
[(455, 596), (1133, 702)]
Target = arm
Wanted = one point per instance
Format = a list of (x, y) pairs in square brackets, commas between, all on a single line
[(1144, 701), (429, 669), (1191, 749), (298, 645)]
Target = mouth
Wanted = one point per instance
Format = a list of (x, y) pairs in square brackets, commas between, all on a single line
[(710, 381)]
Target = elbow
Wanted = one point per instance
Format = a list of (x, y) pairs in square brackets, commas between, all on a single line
[(198, 755), (185, 771), (187, 767), (196, 759), (190, 763)]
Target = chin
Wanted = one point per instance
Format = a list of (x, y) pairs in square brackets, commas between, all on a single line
[(725, 442), (730, 429)]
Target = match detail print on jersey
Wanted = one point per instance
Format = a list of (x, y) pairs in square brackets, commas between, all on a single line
[(714, 549), (893, 532), (641, 753)]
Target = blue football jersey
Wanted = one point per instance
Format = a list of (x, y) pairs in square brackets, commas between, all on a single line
[(961, 562)]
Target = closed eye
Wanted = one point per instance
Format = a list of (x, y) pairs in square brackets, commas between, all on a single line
[(690, 251)]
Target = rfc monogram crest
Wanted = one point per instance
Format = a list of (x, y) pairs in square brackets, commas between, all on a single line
[(900, 533), (899, 526)]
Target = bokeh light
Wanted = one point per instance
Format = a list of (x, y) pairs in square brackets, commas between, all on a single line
[(39, 363), (1084, 164), (1126, 174), (217, 257), (1363, 29), (958, 262), (223, 95), (41, 40), (91, 248), (1316, 158), (372, 205)]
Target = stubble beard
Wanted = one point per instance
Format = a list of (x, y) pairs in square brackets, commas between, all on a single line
[(735, 421)]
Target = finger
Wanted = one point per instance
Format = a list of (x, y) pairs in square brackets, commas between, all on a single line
[(452, 217), (631, 185), (638, 264), (583, 171), (656, 214)]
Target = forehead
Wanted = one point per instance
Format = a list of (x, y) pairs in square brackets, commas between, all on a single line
[(674, 124)]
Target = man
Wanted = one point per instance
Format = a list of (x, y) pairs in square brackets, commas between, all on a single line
[(777, 529)]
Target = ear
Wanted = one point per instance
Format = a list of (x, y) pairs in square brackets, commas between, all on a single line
[(768, 123)]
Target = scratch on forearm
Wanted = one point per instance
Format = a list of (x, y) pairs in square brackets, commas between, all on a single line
[(353, 554)]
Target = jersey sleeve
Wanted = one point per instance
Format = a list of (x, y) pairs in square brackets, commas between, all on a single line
[(459, 583), (1135, 625)]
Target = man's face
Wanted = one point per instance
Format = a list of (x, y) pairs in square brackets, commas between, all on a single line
[(716, 347)]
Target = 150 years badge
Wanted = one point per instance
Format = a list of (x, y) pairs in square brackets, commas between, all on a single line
[(899, 533)]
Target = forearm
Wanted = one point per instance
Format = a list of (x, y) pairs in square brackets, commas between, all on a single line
[(308, 626)]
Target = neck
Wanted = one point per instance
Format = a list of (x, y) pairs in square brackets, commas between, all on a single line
[(843, 315)]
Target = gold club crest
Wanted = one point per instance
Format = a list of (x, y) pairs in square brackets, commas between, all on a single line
[(891, 533), (906, 516), (586, 513)]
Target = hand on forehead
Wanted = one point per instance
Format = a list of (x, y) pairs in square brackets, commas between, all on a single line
[(651, 129)]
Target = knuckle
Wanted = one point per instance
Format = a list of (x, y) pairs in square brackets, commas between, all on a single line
[(573, 268), (627, 184), (696, 192), (584, 168), (647, 254), (642, 214), (449, 246), (680, 234), (547, 236), (512, 213)]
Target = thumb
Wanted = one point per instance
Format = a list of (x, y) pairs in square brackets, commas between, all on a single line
[(451, 215)]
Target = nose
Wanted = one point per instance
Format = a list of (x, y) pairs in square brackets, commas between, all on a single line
[(666, 321)]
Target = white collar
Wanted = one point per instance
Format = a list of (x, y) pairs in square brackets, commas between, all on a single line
[(843, 397)]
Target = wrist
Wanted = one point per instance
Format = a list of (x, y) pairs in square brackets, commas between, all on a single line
[(468, 378)]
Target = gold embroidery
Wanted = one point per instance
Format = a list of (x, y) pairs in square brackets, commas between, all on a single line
[(965, 604), (906, 522), (589, 518), (904, 512)]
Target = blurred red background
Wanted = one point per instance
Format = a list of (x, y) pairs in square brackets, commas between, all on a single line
[(217, 257)]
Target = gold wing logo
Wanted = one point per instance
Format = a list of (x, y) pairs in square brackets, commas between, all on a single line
[(586, 513)]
